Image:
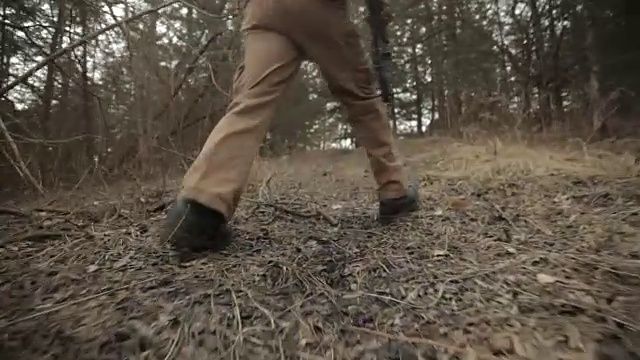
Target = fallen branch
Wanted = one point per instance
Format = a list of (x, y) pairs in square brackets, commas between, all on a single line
[(330, 219), (305, 215), (18, 158), (53, 210), (174, 344), (14, 212), (34, 236), (160, 206), (22, 78)]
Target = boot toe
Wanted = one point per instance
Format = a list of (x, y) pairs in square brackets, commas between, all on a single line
[(193, 227), (391, 209)]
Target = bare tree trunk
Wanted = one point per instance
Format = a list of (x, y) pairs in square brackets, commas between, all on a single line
[(594, 77), (454, 103), (525, 79), (444, 122), (49, 88), (555, 44), (144, 63), (417, 78), (503, 84), (433, 105), (544, 101), (558, 99), (4, 60), (89, 150)]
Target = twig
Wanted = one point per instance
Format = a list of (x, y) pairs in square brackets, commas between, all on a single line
[(236, 311), (52, 210), (596, 308), (84, 175), (173, 232), (262, 308), (306, 356), (417, 340), (160, 206), (318, 212), (191, 67), (22, 78), (71, 303), (539, 226), (16, 153), (504, 216), (265, 189), (174, 344), (13, 163), (296, 304), (215, 83), (34, 236), (484, 272), (330, 219), (439, 295), (377, 296), (14, 212)]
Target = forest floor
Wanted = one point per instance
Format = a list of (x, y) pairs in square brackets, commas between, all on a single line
[(519, 252)]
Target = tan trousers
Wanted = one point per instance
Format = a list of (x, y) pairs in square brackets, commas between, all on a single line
[(279, 35)]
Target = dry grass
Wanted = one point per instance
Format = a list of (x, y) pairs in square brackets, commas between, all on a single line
[(518, 252)]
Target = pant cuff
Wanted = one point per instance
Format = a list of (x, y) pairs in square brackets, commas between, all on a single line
[(207, 199), (392, 191)]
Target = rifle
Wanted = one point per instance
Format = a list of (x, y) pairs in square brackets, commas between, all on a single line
[(381, 51)]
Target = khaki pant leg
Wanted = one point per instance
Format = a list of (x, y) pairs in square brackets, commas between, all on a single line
[(219, 174), (329, 39)]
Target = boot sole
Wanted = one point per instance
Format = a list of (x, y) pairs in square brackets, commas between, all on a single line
[(388, 219)]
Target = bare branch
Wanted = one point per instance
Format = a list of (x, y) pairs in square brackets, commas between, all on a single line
[(20, 163), (80, 42)]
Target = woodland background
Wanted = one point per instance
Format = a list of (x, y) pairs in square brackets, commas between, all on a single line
[(140, 98)]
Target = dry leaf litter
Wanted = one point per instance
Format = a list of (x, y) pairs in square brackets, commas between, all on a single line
[(504, 261)]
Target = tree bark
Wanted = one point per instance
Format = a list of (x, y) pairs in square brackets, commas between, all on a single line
[(49, 90), (594, 76), (86, 93), (417, 78), (544, 101)]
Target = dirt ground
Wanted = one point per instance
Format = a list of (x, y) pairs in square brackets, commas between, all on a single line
[(518, 252)]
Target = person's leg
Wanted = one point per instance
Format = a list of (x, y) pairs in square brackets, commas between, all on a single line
[(219, 174), (215, 181), (330, 40)]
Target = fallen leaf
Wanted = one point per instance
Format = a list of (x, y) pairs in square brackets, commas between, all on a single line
[(581, 297), (470, 354), (459, 338), (460, 204), (48, 223), (122, 262), (440, 253), (546, 279), (545, 352), (92, 268), (574, 339), (500, 343), (518, 348)]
